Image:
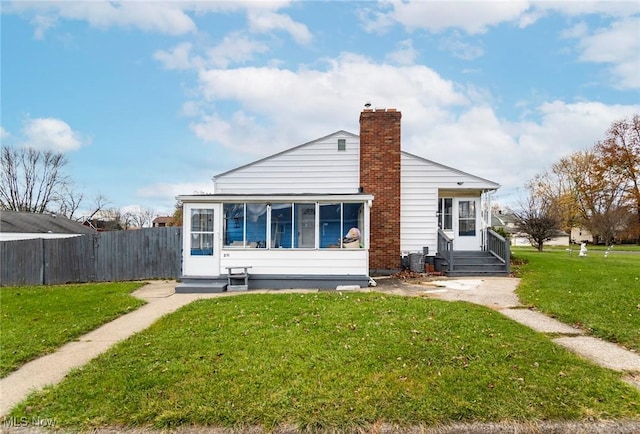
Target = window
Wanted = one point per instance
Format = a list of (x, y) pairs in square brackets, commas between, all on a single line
[(467, 218), (202, 232), (281, 225), (330, 218), (233, 224), (341, 225), (305, 217), (256, 225), (342, 144), (445, 213), (352, 224), (293, 225)]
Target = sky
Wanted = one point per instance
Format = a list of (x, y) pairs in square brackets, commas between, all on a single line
[(150, 100)]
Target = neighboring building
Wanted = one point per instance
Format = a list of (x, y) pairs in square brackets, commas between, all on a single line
[(161, 221), (23, 225), (508, 222), (103, 225), (581, 235), (287, 216)]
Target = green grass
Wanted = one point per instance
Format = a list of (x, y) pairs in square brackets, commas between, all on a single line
[(601, 295), (332, 361), (37, 320)]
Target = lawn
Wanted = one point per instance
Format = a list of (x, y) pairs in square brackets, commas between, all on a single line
[(332, 361), (597, 293), (36, 320)]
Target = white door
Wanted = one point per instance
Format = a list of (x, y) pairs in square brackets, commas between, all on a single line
[(466, 224), (201, 243)]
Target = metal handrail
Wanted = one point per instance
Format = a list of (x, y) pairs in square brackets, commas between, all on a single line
[(445, 248), (499, 247)]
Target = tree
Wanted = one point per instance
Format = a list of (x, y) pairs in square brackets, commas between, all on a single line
[(139, 218), (598, 188), (620, 151), (176, 218), (34, 181), (537, 217)]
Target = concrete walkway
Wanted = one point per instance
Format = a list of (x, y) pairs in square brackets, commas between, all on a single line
[(496, 293), (52, 368), (499, 294)]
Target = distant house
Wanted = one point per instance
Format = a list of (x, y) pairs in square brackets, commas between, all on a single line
[(161, 221), (508, 222), (102, 225), (581, 235), (333, 211), (23, 225)]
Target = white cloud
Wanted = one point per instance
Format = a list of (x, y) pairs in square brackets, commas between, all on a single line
[(51, 134), (179, 57), (459, 48), (476, 17), (163, 17), (4, 133), (235, 48), (42, 23), (617, 45), (405, 54), (473, 17), (266, 21), (322, 100), (169, 17), (611, 8)]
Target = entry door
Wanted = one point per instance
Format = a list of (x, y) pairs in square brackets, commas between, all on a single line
[(201, 243), (466, 221)]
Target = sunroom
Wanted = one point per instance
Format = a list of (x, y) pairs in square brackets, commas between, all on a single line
[(281, 241)]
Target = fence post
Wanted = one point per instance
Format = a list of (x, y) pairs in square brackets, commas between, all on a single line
[(43, 265)]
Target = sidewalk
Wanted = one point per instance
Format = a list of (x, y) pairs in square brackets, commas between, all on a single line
[(496, 293), (52, 368), (499, 293)]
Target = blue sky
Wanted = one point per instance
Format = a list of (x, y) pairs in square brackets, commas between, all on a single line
[(149, 100)]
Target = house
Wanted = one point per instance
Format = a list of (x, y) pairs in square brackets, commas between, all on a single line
[(161, 221), (581, 235), (16, 225), (509, 223), (334, 211)]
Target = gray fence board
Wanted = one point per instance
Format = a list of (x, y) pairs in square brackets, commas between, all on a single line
[(21, 262), (68, 260), (152, 253)]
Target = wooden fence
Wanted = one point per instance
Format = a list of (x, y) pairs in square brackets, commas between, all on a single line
[(153, 253)]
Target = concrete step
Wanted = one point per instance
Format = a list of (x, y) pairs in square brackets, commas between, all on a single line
[(203, 287)]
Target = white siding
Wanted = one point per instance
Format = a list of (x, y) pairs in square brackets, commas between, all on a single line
[(315, 167), (418, 206), (421, 180), (296, 262)]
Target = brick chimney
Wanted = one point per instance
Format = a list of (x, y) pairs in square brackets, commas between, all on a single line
[(380, 176)]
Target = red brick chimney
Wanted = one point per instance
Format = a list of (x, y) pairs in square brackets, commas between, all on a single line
[(380, 176)]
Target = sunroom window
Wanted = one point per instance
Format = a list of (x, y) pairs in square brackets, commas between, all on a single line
[(281, 225), (293, 225)]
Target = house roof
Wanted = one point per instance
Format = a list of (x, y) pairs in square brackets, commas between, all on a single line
[(31, 223), (162, 219)]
